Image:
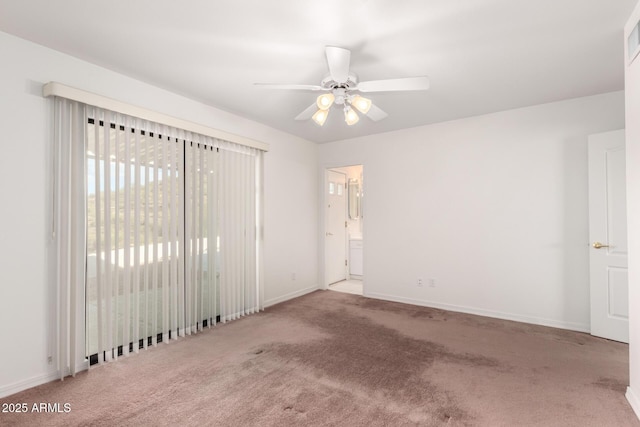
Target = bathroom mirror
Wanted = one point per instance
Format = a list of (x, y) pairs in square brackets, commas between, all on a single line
[(354, 198)]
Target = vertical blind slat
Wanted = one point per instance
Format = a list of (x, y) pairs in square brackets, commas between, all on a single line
[(210, 236), (104, 300), (173, 284), (100, 250), (200, 234), (116, 242), (156, 242), (126, 270), (63, 230), (136, 242), (188, 237), (165, 243), (194, 247), (181, 239), (171, 219), (147, 245), (215, 221)]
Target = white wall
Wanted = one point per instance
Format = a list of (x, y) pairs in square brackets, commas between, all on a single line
[(632, 99), (291, 211), (493, 208)]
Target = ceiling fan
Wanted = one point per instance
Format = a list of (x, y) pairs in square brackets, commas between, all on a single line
[(343, 89)]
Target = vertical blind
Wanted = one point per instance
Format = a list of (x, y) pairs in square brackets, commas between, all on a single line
[(68, 234), (238, 273), (171, 221)]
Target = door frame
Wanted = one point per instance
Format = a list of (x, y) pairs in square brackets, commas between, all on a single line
[(324, 168)]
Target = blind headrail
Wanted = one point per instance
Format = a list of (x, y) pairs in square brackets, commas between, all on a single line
[(74, 94)]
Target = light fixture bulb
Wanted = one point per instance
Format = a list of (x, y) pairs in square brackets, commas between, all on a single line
[(320, 117), (361, 103), (350, 116), (324, 101)]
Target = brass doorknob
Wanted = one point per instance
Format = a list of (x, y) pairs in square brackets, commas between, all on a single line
[(599, 245)]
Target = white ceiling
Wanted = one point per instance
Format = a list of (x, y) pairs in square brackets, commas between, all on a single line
[(481, 55)]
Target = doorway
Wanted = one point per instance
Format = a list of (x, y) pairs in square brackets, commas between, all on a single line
[(343, 244)]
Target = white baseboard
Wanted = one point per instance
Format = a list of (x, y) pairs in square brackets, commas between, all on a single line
[(573, 326), (10, 389), (634, 401), (289, 296)]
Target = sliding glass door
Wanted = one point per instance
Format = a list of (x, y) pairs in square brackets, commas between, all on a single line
[(172, 242)]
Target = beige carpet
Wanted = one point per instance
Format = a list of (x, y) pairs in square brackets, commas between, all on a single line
[(334, 359)]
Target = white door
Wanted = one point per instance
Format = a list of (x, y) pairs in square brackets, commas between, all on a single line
[(335, 227), (608, 236)]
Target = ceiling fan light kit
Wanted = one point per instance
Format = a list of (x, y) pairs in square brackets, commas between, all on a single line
[(325, 101), (320, 117), (361, 103), (341, 82), (350, 116)]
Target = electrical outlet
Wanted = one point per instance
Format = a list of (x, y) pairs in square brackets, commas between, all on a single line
[(419, 283), (432, 282)]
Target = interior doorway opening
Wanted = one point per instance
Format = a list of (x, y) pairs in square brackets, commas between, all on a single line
[(343, 213)]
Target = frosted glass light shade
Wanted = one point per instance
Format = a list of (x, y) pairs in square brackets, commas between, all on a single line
[(350, 116), (361, 103), (320, 116), (324, 101)]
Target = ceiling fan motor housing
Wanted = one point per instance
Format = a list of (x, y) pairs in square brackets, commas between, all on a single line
[(351, 83), (340, 90)]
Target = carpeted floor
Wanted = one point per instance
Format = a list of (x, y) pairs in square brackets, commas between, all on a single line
[(333, 359)]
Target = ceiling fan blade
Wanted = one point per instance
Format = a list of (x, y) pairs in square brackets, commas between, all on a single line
[(391, 85), (376, 114), (338, 60), (308, 113), (289, 87)]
